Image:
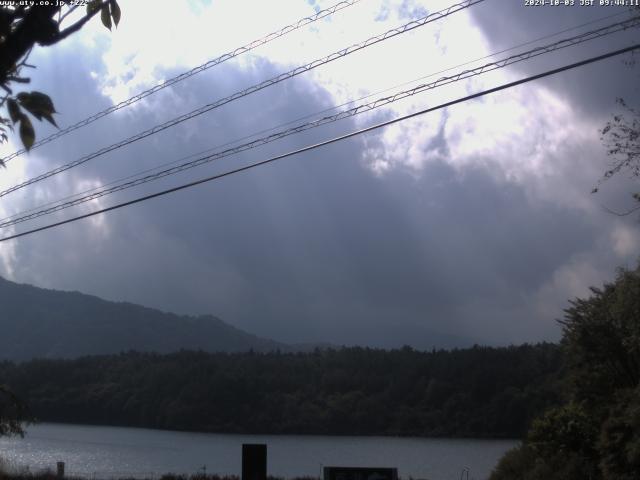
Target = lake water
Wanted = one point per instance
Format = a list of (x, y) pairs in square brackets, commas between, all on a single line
[(106, 452)]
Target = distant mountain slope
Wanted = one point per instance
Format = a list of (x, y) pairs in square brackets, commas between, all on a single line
[(35, 322)]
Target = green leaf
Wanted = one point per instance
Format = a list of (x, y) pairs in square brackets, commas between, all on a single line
[(93, 5), (115, 11), (39, 100), (27, 133), (39, 105), (50, 119), (14, 110), (105, 16), (5, 124)]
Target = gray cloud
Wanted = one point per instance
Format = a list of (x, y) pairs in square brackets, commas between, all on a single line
[(316, 247), (592, 90)]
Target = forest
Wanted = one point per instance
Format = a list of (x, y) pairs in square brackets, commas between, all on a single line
[(474, 392), (575, 405), (595, 432)]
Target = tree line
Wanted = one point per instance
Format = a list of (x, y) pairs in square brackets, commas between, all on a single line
[(475, 392), (595, 432)]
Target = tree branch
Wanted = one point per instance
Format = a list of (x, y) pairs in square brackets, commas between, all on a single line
[(71, 10), (34, 26), (75, 27)]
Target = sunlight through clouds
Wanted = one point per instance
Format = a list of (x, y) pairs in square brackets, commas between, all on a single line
[(455, 222), (626, 240)]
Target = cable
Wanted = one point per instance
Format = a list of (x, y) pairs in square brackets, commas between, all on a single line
[(267, 83), (183, 76), (328, 142), (290, 122), (608, 30)]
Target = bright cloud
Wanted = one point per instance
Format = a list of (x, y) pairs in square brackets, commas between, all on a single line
[(625, 240), (472, 220)]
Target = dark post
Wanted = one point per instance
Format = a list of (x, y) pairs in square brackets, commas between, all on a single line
[(60, 469), (254, 461)]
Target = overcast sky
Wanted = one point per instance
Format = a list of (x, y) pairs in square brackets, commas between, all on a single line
[(474, 223)]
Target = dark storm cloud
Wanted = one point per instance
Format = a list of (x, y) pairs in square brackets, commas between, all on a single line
[(591, 89), (312, 248)]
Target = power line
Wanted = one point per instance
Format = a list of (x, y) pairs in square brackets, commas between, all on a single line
[(601, 32), (328, 142), (267, 83), (183, 76), (290, 122), (587, 36), (304, 117)]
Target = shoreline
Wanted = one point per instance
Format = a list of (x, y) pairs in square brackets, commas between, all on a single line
[(275, 434)]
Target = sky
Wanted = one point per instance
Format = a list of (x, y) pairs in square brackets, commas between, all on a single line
[(470, 224)]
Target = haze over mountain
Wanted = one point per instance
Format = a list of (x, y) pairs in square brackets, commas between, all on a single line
[(37, 322), (44, 323)]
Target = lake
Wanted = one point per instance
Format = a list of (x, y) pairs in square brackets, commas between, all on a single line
[(105, 452)]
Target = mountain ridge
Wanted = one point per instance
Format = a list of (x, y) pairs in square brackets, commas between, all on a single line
[(45, 323)]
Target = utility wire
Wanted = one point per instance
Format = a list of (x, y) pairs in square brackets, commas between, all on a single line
[(328, 142), (366, 107), (291, 122), (298, 119), (267, 83), (183, 76)]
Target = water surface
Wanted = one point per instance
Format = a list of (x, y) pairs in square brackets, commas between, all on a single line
[(105, 452)]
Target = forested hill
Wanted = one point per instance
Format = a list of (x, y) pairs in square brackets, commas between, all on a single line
[(35, 322), (476, 392)]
